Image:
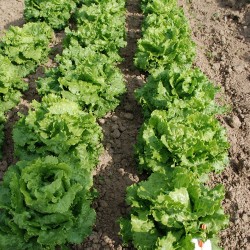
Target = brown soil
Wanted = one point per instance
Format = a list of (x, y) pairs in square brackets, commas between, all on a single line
[(221, 30)]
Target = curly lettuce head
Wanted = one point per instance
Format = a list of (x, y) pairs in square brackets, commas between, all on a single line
[(58, 126), (45, 202), (168, 211)]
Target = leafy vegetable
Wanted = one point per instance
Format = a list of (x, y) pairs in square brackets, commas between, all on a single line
[(86, 77), (44, 203), (58, 126), (180, 143), (11, 85), (101, 25), (54, 12), (162, 89), (166, 40), (2, 120), (160, 7), (182, 136), (167, 211), (27, 47)]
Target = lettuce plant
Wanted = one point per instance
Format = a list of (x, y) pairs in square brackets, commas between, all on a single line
[(54, 12), (163, 88), (2, 120), (11, 85), (58, 126), (168, 211), (182, 136), (166, 40), (101, 25), (160, 7), (86, 77), (27, 47), (45, 203)]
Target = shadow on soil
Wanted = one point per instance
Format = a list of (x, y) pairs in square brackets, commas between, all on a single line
[(19, 22), (117, 168)]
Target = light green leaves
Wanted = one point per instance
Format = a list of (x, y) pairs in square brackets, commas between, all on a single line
[(45, 199), (181, 137), (167, 86), (27, 47), (100, 25), (166, 40), (59, 127), (86, 77), (21, 51), (171, 216), (11, 84), (180, 142), (54, 12)]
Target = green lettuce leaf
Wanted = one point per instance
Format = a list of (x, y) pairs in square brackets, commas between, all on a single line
[(182, 136), (191, 85), (101, 25), (169, 217), (56, 13), (86, 77), (45, 203), (11, 85), (166, 40), (58, 126), (27, 47), (160, 7)]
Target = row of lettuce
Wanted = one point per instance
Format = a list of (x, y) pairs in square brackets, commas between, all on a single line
[(180, 143), (45, 198)]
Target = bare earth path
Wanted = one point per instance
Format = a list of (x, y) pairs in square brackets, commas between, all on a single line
[(221, 30)]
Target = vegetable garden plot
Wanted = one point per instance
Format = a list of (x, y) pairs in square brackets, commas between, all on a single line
[(116, 135)]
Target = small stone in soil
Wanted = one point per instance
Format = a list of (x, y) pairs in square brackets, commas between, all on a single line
[(128, 116), (114, 118), (101, 121), (234, 122), (114, 127), (116, 134), (103, 203)]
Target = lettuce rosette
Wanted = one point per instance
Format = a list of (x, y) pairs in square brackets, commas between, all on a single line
[(27, 47), (166, 40), (176, 83), (182, 136), (55, 13), (11, 84), (87, 77), (45, 203), (101, 25), (58, 127), (169, 210)]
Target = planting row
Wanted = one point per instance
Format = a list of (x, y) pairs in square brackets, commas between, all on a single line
[(45, 199), (22, 50), (180, 142)]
